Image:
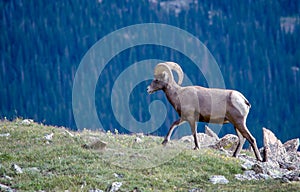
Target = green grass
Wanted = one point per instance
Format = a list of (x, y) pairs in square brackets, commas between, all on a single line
[(64, 164)]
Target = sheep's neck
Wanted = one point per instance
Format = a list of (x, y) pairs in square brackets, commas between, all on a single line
[(171, 92)]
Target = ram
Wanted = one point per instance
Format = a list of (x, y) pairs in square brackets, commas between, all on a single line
[(199, 104)]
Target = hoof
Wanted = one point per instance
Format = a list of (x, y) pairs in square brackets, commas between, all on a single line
[(164, 143), (196, 148)]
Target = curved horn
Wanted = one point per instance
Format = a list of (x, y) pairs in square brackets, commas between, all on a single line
[(175, 67), (162, 67)]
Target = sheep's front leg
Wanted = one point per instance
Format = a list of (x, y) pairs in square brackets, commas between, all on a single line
[(193, 125), (240, 144), (173, 126)]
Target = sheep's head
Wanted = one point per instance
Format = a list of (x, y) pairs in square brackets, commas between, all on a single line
[(163, 76)]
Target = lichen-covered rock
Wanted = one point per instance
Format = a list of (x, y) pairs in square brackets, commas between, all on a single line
[(211, 133), (203, 139), (273, 148), (228, 142), (291, 145)]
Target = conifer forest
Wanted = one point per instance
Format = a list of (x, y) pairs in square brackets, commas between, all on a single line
[(256, 44)]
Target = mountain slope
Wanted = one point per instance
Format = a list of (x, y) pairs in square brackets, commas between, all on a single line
[(55, 159)]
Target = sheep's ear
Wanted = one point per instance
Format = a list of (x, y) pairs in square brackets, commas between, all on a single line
[(165, 76)]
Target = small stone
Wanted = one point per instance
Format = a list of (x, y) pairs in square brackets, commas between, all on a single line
[(136, 190), (115, 186), (31, 169), (264, 176), (5, 188), (27, 122), (118, 175), (247, 165), (138, 140), (7, 177), (5, 135), (69, 133), (49, 137), (291, 145), (96, 145), (287, 165), (95, 190), (239, 177), (218, 179), (186, 139), (196, 190), (285, 180), (274, 173), (257, 168), (292, 175), (140, 135), (17, 168), (250, 175)]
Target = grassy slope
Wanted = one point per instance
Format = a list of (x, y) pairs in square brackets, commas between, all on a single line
[(64, 164)]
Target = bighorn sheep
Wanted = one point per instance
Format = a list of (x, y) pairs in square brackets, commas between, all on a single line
[(199, 104)]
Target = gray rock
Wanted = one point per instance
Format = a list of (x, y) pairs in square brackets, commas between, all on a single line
[(17, 169), (211, 133), (32, 170), (218, 179), (96, 145), (49, 137), (5, 135), (228, 142), (282, 164), (115, 186), (7, 177), (5, 188), (203, 139), (196, 190), (138, 140), (95, 190), (291, 145), (117, 175), (287, 165), (264, 176), (247, 164), (26, 122), (273, 148), (247, 176), (292, 175), (257, 168), (275, 173), (186, 139)]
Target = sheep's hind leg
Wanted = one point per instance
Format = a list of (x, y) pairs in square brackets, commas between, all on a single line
[(173, 126), (245, 132)]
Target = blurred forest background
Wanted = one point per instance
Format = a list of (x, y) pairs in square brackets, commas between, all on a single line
[(255, 42)]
